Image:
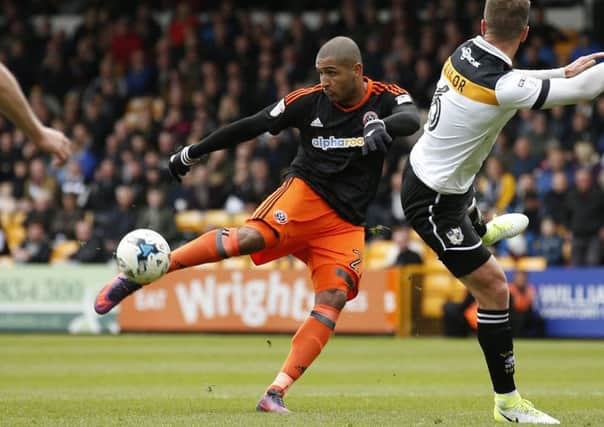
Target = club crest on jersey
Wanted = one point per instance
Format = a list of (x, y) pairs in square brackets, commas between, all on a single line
[(455, 236), (466, 54), (280, 216), (368, 116)]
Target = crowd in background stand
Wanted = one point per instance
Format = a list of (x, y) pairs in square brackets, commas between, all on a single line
[(129, 91)]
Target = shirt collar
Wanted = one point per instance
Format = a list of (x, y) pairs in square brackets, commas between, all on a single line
[(485, 45)]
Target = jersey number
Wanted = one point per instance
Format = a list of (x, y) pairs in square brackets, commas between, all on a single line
[(435, 107)]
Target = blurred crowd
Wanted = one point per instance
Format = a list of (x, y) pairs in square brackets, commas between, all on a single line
[(129, 89)]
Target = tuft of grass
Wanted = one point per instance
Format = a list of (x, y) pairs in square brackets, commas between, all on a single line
[(216, 380)]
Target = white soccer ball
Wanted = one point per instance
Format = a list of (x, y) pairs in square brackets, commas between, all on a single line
[(143, 256)]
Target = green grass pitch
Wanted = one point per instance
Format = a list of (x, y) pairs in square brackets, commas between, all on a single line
[(216, 380)]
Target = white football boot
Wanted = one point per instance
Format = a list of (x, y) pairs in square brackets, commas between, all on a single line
[(503, 227), (515, 409)]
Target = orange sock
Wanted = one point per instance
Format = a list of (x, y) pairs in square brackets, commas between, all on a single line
[(209, 247), (307, 343)]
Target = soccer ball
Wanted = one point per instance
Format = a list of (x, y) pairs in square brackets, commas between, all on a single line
[(143, 256)]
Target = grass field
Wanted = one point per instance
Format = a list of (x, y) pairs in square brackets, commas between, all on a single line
[(186, 380)]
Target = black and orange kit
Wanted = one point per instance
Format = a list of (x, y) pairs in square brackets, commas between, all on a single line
[(318, 212)]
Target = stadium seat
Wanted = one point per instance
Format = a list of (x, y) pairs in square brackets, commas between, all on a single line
[(381, 254), (238, 219), (62, 251), (507, 262), (189, 221), (216, 218), (531, 263), (15, 234), (235, 263), (432, 307)]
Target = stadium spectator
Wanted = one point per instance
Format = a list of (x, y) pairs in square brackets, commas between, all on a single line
[(63, 226), (36, 247), (556, 203), (549, 244), (157, 217), (555, 162), (526, 322), (91, 249), (41, 210), (498, 186), (586, 203), (120, 220), (585, 45), (402, 237), (524, 161)]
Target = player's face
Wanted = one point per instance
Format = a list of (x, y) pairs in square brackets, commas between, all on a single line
[(338, 80)]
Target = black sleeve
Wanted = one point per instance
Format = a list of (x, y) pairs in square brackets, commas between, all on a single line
[(545, 85), (231, 135), (273, 119), (403, 121)]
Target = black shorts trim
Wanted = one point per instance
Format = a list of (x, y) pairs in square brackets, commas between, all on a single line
[(443, 223)]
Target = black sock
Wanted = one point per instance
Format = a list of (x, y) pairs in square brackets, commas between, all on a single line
[(495, 338)]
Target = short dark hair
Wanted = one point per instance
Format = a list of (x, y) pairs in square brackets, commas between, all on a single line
[(343, 49), (506, 18)]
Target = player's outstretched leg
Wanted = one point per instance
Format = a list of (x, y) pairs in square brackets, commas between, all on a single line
[(114, 292), (307, 343), (212, 246), (515, 409), (499, 228)]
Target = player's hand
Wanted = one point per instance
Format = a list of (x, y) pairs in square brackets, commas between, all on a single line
[(375, 136), (180, 164), (581, 64), (56, 143)]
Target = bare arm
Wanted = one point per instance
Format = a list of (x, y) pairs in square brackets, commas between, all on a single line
[(14, 106)]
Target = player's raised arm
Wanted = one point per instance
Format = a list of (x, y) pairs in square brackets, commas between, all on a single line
[(274, 118), (580, 88), (225, 137), (14, 106), (571, 70)]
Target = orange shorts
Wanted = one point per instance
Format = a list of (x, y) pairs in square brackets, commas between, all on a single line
[(308, 228)]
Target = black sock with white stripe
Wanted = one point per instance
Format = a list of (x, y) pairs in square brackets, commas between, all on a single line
[(495, 338)]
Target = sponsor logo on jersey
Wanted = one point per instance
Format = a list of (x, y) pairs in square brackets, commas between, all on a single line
[(455, 236), (278, 109), (368, 116), (466, 55), (316, 123), (280, 216), (333, 142)]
